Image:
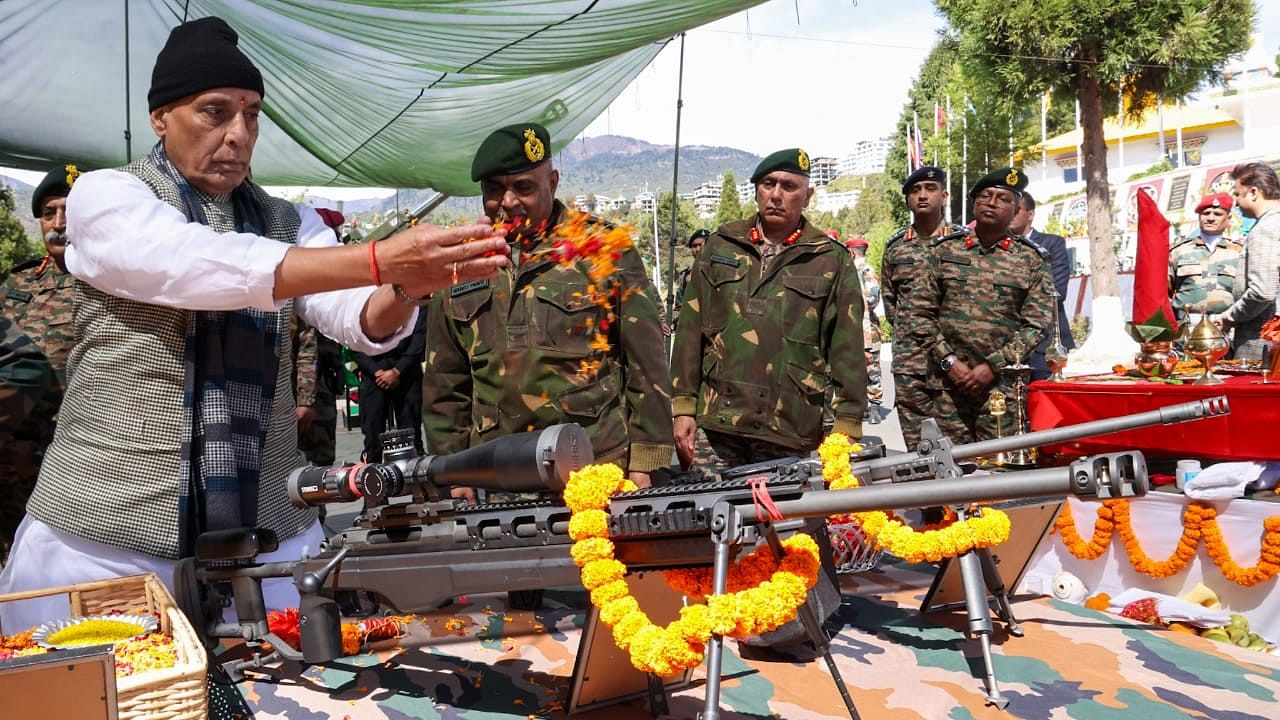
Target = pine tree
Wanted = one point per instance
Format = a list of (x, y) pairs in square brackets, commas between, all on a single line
[(730, 206)]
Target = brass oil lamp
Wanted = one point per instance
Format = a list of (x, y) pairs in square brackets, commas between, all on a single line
[(1207, 344)]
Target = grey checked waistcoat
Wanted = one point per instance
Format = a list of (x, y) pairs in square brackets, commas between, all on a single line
[(111, 474)]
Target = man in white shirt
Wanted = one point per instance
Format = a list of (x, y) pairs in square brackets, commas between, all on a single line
[(179, 411)]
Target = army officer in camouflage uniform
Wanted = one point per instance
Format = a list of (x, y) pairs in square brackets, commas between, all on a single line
[(1203, 267), (773, 308), (983, 301), (38, 296), (925, 193), (507, 355)]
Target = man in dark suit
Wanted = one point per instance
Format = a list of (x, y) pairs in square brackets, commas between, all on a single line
[(1061, 266), (391, 389)]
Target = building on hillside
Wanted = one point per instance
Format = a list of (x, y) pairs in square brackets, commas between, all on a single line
[(746, 192), (823, 170), (833, 202), (1202, 141), (706, 198), (644, 202), (868, 157)]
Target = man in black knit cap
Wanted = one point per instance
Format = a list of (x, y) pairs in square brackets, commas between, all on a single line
[(179, 414)]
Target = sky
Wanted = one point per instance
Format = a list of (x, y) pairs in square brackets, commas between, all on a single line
[(818, 74)]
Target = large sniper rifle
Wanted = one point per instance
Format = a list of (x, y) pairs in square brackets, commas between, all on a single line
[(412, 555)]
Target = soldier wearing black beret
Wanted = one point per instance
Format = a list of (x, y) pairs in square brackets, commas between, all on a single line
[(984, 300), (925, 192)]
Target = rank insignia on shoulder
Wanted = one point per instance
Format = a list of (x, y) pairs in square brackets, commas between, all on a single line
[(466, 287), (20, 296), (725, 260)]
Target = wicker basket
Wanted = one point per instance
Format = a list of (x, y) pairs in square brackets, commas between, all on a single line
[(176, 693)]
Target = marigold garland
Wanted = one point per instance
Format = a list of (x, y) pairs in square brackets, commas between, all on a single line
[(950, 538), (768, 595), (1199, 523)]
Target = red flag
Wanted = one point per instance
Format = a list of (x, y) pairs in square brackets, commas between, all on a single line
[(1151, 273)]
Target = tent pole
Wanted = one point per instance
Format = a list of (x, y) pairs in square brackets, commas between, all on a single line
[(128, 134), (675, 202)]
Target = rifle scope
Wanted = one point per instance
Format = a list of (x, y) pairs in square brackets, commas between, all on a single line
[(524, 462)]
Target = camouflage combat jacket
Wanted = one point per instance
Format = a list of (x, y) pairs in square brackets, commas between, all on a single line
[(1198, 275), (24, 378), (40, 298), (755, 345), (985, 305), (900, 267), (506, 355)]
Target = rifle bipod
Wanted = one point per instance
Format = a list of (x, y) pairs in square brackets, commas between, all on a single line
[(979, 576), (727, 536)]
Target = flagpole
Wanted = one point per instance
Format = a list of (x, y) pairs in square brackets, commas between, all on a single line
[(948, 136), (1079, 146), (964, 162), (935, 132), (1010, 139), (1120, 117), (675, 199), (1178, 107), (907, 146), (1044, 136)]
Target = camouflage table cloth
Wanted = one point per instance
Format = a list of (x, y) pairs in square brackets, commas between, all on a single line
[(476, 660)]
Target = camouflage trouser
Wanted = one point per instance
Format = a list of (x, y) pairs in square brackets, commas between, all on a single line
[(715, 451), (964, 419), (915, 403), (874, 390), (318, 443)]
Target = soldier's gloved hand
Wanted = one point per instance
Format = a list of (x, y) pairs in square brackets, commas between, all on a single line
[(686, 429)]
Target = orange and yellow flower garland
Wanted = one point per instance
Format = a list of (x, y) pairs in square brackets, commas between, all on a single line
[(950, 538), (760, 606), (1199, 523)]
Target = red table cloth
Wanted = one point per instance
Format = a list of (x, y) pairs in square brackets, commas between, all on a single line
[(1249, 432)]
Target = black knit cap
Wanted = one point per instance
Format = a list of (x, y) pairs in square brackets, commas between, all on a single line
[(198, 56)]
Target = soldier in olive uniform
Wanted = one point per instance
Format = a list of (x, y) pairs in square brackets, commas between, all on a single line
[(1203, 267), (519, 352), (871, 337), (773, 307), (316, 368), (24, 379), (926, 196), (983, 301), (39, 297)]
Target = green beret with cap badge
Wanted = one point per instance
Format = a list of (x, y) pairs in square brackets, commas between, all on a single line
[(56, 183), (792, 160), (1007, 178), (511, 149)]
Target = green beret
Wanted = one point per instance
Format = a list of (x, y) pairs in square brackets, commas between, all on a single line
[(792, 160), (512, 149), (56, 183), (1006, 177)]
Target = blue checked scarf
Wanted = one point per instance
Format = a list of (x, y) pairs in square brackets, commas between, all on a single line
[(231, 360)]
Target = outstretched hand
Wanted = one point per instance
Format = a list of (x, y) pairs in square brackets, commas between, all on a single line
[(424, 258)]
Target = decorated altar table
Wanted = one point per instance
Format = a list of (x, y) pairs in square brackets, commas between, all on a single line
[(1247, 433), (1157, 523)]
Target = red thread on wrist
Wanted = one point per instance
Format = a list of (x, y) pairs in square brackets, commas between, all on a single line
[(373, 263)]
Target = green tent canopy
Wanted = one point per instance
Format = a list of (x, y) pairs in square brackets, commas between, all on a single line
[(367, 93)]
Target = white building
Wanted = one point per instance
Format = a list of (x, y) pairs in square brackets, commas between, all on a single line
[(868, 157), (823, 170), (644, 202), (834, 201), (706, 198), (746, 192)]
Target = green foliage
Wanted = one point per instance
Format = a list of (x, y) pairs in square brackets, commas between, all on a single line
[(1095, 51), (1163, 166), (15, 245), (730, 207)]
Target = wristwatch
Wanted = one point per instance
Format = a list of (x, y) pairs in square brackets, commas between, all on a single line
[(947, 362), (407, 299)]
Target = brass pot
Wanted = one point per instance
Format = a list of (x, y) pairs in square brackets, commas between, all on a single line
[(1156, 359)]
